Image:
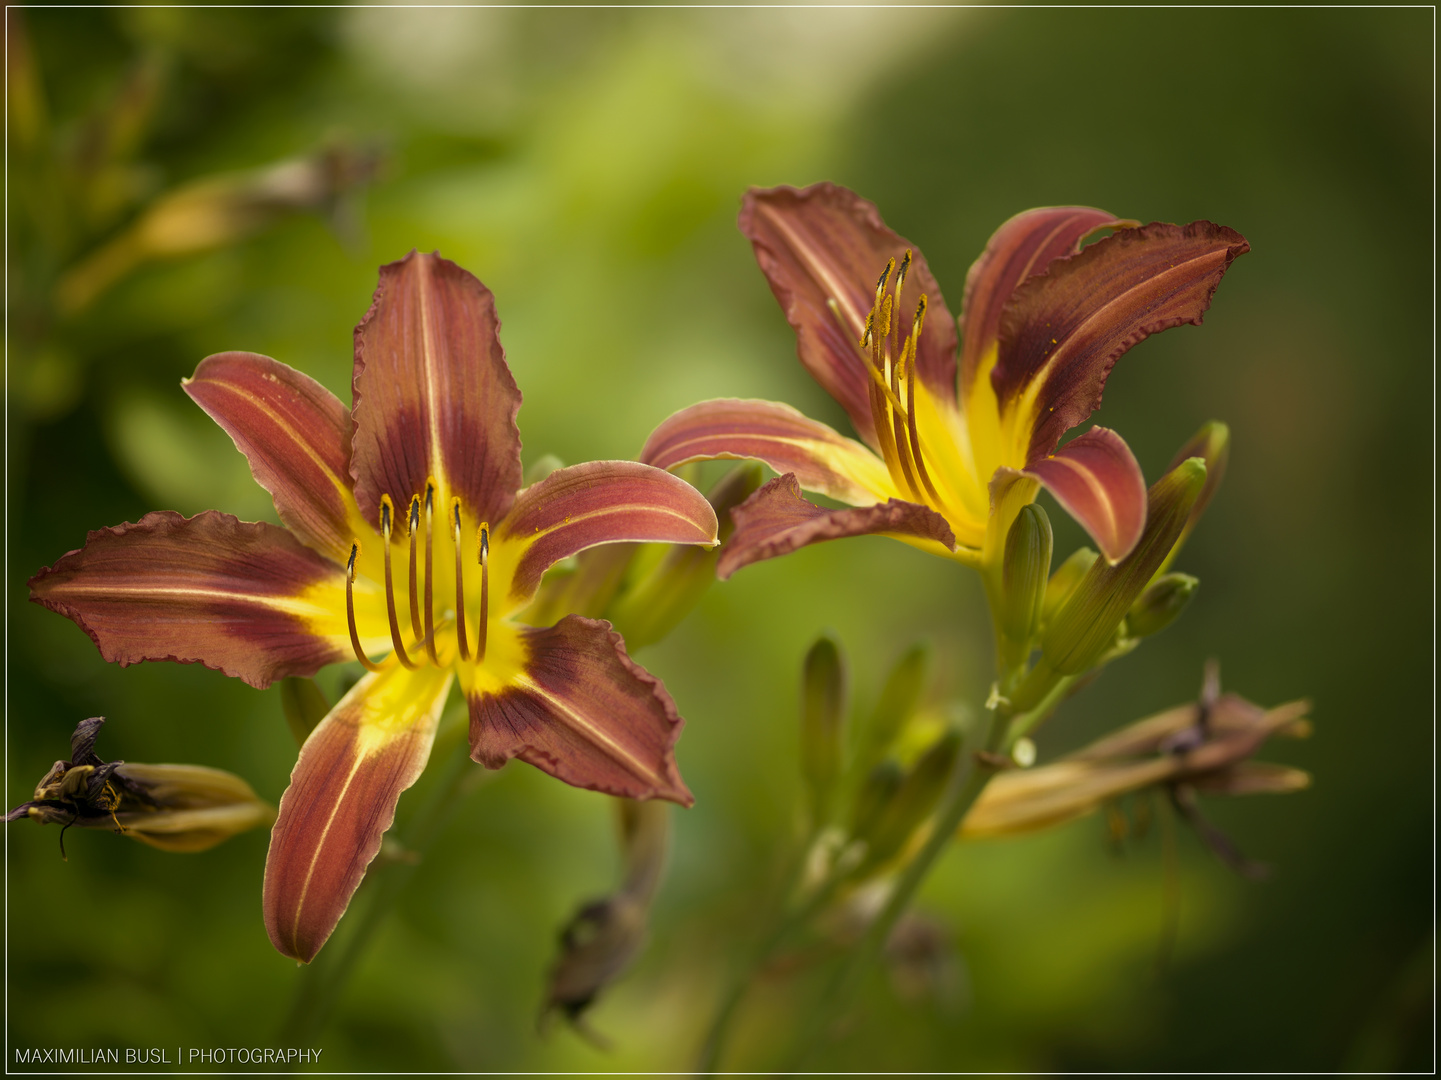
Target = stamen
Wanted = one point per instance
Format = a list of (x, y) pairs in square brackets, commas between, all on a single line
[(482, 538), (430, 566), (414, 591), (370, 665), (915, 436), (387, 511), (885, 276), (460, 638)]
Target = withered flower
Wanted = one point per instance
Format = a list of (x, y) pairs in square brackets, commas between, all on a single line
[(604, 936), (1203, 746), (172, 807)]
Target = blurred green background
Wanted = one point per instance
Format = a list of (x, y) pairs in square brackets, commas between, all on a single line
[(588, 165)]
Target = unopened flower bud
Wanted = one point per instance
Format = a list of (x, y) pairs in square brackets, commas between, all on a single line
[(1212, 444), (823, 707), (651, 606), (875, 794), (1086, 624), (304, 706), (1161, 604), (913, 801), (1024, 569), (897, 704), (1064, 581)]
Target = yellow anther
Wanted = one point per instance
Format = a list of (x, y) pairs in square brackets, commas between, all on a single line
[(387, 513), (482, 542), (414, 513), (883, 329), (350, 563)]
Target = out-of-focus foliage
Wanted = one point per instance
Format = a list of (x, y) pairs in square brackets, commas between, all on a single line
[(587, 166)]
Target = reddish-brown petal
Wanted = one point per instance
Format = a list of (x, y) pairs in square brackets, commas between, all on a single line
[(776, 521), (433, 394), (296, 435), (1062, 331), (1097, 481), (1023, 246), (209, 589), (825, 243), (769, 431), (341, 800), (601, 502), (585, 712)]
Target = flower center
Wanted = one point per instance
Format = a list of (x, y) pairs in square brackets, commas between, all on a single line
[(421, 519), (890, 360)]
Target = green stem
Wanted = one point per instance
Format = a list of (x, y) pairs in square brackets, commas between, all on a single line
[(745, 975), (323, 981), (1027, 722), (970, 780)]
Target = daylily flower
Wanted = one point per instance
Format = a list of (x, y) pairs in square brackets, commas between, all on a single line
[(956, 442), (423, 471)]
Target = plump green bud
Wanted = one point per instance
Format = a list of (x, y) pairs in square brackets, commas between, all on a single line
[(665, 593), (1064, 581), (1161, 604), (1024, 567), (876, 792), (542, 467), (912, 802), (1212, 444), (1086, 624), (823, 709), (897, 704), (304, 706)]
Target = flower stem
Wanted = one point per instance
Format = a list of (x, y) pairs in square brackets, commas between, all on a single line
[(323, 981), (969, 781), (746, 973)]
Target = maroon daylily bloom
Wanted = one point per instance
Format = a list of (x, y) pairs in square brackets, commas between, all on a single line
[(430, 447), (956, 441)]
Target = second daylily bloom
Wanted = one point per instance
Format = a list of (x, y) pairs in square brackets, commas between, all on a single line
[(957, 440), (405, 534)]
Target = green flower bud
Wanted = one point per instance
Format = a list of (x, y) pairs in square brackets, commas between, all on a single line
[(1024, 567), (823, 707), (658, 598), (1212, 444), (880, 786), (912, 802), (304, 706), (1086, 624), (897, 704), (1064, 581), (1160, 605)]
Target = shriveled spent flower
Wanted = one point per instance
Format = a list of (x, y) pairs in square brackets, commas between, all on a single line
[(1201, 746), (424, 470), (172, 807), (956, 438), (604, 936)]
